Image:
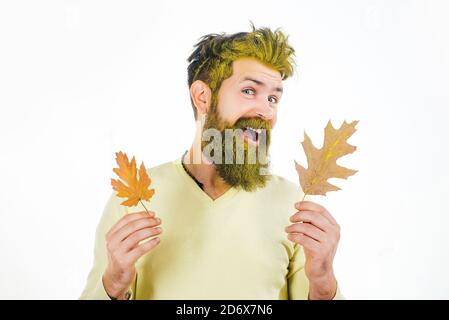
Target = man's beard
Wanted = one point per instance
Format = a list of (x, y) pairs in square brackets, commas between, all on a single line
[(240, 164)]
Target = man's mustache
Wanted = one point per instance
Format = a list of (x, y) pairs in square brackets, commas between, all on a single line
[(255, 123)]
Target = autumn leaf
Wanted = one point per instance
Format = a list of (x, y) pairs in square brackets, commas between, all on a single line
[(322, 163), (134, 188)]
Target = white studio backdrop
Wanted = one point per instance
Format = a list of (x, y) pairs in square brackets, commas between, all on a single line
[(80, 80)]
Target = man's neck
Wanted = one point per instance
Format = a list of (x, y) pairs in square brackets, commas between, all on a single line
[(206, 173)]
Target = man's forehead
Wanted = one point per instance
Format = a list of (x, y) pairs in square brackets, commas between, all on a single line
[(248, 69)]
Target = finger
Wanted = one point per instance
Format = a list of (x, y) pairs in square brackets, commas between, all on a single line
[(133, 226), (313, 206), (304, 240), (143, 248), (128, 218), (133, 239), (309, 205), (329, 217), (311, 217), (308, 229)]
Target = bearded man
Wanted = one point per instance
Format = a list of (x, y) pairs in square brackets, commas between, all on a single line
[(220, 226)]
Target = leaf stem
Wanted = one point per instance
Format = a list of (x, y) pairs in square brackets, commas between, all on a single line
[(304, 196), (144, 206)]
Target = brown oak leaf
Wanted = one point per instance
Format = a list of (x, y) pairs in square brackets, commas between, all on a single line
[(322, 163)]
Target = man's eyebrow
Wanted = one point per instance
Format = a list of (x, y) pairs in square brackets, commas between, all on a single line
[(278, 89)]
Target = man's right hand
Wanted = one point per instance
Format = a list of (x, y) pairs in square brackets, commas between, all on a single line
[(122, 243)]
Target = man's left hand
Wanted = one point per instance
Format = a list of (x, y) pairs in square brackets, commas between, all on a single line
[(317, 231)]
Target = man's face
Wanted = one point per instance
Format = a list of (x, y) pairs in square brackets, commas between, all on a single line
[(239, 97), (247, 100)]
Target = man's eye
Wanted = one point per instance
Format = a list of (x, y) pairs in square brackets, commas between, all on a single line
[(248, 90), (275, 100)]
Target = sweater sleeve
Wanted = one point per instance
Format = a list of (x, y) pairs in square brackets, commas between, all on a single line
[(298, 284), (94, 289)]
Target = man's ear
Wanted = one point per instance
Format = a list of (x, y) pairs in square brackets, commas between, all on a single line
[(201, 96)]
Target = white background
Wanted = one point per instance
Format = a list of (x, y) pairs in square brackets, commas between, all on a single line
[(80, 80)]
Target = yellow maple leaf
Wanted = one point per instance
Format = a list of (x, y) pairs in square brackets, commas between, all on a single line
[(322, 163), (131, 186)]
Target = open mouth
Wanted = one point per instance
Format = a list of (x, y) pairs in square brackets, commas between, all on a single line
[(251, 135)]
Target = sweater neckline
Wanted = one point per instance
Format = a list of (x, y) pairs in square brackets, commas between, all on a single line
[(198, 191)]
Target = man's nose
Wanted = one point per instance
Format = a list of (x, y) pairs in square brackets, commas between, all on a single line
[(265, 111)]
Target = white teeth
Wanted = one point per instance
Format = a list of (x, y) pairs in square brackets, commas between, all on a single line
[(255, 130)]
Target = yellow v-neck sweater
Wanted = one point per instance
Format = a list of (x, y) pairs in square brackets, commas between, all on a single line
[(234, 247)]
